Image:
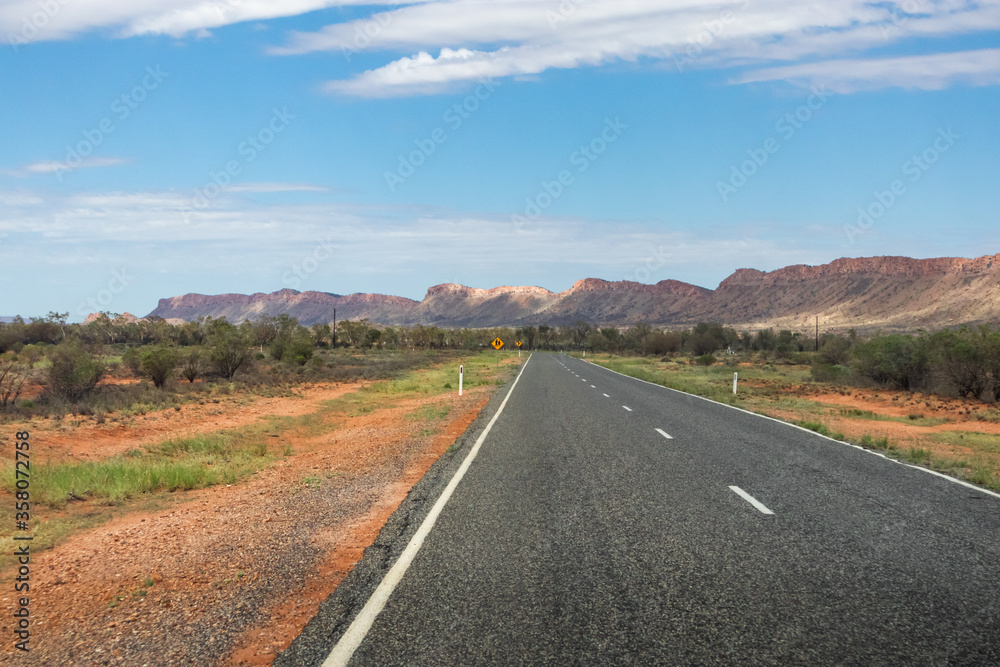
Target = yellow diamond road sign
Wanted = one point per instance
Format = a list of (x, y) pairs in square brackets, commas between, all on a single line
[(497, 343), (518, 343)]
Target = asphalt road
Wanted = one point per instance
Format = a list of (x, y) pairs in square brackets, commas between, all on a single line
[(583, 534)]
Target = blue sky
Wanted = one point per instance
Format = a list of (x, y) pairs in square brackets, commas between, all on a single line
[(171, 146)]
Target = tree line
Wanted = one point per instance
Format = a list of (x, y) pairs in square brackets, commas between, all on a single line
[(962, 361)]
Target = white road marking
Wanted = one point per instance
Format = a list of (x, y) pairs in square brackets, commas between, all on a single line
[(356, 632), (750, 499), (814, 433), (593, 387), (664, 434), (606, 396), (627, 408)]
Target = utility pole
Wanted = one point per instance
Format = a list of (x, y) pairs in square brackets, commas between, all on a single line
[(817, 333), (335, 328)]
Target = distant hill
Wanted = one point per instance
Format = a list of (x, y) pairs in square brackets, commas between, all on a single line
[(865, 293)]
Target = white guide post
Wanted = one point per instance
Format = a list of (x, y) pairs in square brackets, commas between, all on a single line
[(734, 382), (461, 370)]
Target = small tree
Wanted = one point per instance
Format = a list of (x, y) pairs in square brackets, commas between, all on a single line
[(191, 367), (13, 375), (132, 359), (300, 347), (30, 354), (230, 352), (663, 343), (74, 372), (158, 365), (596, 342)]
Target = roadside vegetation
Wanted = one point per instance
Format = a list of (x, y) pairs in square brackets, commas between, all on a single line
[(113, 370), (68, 496)]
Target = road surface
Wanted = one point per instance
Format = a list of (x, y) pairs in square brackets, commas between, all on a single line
[(608, 521)]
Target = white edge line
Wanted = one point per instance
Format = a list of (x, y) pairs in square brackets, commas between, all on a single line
[(750, 499), (664, 434), (819, 435), (356, 632)]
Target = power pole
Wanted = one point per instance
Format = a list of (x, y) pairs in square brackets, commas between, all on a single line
[(817, 333), (334, 328)]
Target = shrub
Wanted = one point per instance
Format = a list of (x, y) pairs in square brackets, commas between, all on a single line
[(830, 373), (835, 350), (962, 360), (661, 344), (706, 360), (13, 375), (596, 342), (30, 354), (230, 352), (133, 361), (158, 365), (894, 361), (191, 367), (74, 372)]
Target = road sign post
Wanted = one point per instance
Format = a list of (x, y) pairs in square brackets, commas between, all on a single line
[(497, 344)]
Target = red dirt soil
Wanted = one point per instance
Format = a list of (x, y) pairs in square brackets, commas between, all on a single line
[(221, 559)]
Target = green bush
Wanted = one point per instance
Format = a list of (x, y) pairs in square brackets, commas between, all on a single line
[(74, 372), (830, 373), (191, 367), (897, 361), (706, 360), (661, 344), (132, 359), (230, 352), (158, 365)]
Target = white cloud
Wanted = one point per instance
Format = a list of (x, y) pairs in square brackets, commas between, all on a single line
[(276, 187), (25, 21), (435, 45), (250, 239), (928, 72), (523, 38), (54, 166), (19, 199)]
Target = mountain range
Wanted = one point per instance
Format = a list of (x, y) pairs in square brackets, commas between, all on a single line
[(893, 293)]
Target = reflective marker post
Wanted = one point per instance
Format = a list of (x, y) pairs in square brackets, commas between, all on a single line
[(734, 382), (461, 370)]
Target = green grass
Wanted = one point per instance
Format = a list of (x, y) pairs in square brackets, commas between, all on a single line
[(429, 413), (982, 442), (915, 419), (139, 477), (172, 465)]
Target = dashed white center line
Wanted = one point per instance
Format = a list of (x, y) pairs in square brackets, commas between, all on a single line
[(664, 434), (627, 408), (593, 387), (606, 396), (750, 499)]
